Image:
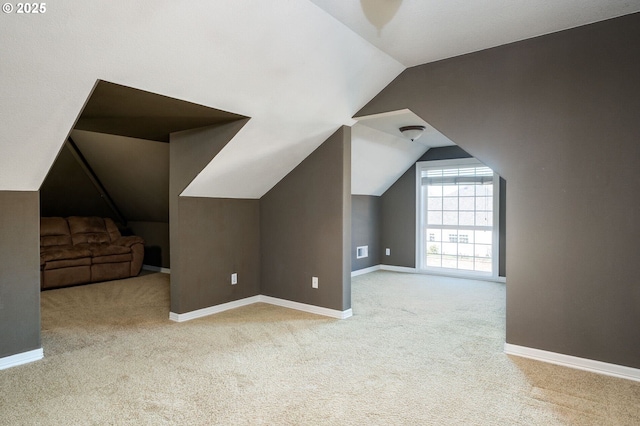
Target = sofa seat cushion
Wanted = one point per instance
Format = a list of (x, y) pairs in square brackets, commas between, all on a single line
[(110, 271), (97, 249), (55, 253), (112, 258), (62, 277), (67, 263)]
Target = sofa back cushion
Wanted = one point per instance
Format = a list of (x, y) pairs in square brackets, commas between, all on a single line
[(88, 230), (54, 231), (112, 229)]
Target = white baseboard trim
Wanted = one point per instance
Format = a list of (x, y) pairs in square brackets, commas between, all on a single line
[(365, 270), (464, 276), (318, 310), (213, 309), (156, 269), (21, 358), (585, 364), (408, 270), (399, 269)]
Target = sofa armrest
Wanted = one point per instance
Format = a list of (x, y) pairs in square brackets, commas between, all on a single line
[(136, 244), (137, 257), (128, 241)]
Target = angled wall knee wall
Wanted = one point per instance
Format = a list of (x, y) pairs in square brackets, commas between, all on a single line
[(211, 238), (305, 223)]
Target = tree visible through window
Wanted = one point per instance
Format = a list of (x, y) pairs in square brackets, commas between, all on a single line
[(457, 219)]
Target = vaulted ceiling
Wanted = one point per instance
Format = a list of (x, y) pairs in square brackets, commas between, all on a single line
[(420, 31), (416, 32), (298, 69)]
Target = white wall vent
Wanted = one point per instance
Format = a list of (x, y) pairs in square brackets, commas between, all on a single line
[(362, 251)]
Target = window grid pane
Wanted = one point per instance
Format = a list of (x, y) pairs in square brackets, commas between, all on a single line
[(458, 197)]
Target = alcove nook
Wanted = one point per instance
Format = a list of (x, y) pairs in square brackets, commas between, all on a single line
[(115, 163)]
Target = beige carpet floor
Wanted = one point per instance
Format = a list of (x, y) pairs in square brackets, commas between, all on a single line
[(418, 351)]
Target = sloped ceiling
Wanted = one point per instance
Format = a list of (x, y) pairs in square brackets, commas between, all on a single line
[(415, 32), (68, 191), (126, 111), (381, 154), (135, 173), (294, 69)]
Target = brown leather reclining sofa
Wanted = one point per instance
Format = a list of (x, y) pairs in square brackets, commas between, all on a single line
[(79, 250)]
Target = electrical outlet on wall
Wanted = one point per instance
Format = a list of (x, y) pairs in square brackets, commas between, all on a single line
[(387, 252), (234, 278), (314, 282)]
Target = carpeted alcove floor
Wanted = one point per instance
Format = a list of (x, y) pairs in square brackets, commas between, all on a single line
[(419, 350)]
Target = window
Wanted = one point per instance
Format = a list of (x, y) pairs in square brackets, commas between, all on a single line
[(457, 217)]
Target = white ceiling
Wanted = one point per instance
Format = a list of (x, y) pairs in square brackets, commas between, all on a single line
[(415, 32), (298, 73), (294, 69), (380, 154)]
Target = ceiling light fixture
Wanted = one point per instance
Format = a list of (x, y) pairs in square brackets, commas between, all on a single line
[(412, 132)]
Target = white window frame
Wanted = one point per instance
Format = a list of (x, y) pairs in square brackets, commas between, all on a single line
[(458, 162)]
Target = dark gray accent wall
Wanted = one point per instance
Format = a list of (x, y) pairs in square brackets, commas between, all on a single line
[(399, 221), (196, 230), (305, 223), (557, 117), (19, 272), (366, 224)]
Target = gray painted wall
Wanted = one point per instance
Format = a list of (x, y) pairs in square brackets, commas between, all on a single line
[(305, 223), (557, 117), (366, 224), (156, 242), (194, 230), (399, 221), (218, 237), (19, 272)]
